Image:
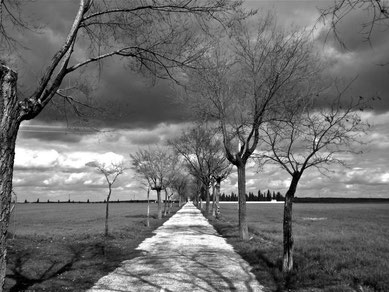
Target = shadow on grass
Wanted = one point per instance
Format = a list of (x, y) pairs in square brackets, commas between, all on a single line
[(24, 279), (74, 263), (259, 254), (55, 265)]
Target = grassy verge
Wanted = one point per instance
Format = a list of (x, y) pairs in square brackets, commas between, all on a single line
[(61, 247), (338, 247)]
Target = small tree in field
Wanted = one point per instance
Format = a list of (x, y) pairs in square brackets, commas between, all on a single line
[(310, 137), (155, 165), (111, 173)]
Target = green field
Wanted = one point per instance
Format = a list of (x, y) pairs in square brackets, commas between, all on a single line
[(60, 247), (338, 247)]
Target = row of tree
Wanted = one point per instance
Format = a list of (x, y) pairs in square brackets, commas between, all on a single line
[(261, 94), (268, 196), (269, 94)]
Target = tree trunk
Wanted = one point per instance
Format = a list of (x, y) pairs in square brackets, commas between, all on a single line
[(217, 197), (170, 204), (287, 263), (243, 227), (9, 126), (107, 211), (213, 201), (165, 205), (207, 199), (159, 204), (148, 207)]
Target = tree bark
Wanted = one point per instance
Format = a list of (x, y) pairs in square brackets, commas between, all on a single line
[(287, 263), (148, 207), (107, 210), (9, 126), (213, 201), (165, 204), (243, 227), (217, 197), (170, 204), (180, 201), (207, 200), (159, 203)]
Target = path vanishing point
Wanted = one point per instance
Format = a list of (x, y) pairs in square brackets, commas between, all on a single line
[(185, 254)]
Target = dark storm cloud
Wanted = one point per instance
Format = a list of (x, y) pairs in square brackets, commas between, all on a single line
[(360, 58), (129, 102), (125, 101), (133, 102), (59, 136)]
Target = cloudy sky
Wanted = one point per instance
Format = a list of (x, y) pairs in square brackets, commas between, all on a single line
[(51, 154)]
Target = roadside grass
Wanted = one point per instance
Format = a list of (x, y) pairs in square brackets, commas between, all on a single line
[(338, 247), (61, 247)]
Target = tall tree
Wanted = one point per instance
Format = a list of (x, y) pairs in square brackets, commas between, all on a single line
[(244, 79), (111, 172), (156, 37), (310, 136), (155, 164)]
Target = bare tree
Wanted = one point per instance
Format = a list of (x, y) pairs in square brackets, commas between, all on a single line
[(174, 174), (218, 176), (111, 172), (203, 153), (10, 16), (245, 78), (180, 184), (377, 12), (157, 37), (310, 136), (155, 164)]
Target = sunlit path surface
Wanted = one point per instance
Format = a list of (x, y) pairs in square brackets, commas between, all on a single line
[(185, 254)]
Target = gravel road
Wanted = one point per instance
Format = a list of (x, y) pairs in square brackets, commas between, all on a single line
[(185, 254)]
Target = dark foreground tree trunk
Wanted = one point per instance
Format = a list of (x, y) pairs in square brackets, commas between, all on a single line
[(159, 203), (243, 227), (9, 126), (107, 210), (287, 263)]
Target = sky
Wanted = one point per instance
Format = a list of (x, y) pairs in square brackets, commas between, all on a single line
[(52, 151)]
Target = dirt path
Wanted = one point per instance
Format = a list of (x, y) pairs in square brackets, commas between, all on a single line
[(185, 254)]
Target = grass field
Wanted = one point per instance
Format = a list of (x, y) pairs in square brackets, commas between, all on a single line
[(338, 247), (60, 247)]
